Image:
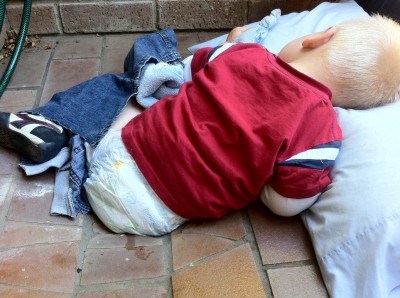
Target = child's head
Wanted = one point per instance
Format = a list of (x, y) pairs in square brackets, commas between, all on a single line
[(363, 57)]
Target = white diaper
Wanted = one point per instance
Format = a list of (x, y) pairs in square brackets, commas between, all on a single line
[(120, 195)]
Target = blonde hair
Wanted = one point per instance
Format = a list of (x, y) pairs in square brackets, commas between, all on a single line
[(363, 58)]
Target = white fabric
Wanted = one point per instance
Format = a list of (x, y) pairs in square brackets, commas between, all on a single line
[(120, 195), (295, 25), (355, 225), (221, 49), (283, 206), (158, 81), (187, 71), (317, 154), (258, 33), (31, 168)]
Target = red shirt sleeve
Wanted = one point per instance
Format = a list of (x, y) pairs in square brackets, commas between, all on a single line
[(306, 173), (299, 183)]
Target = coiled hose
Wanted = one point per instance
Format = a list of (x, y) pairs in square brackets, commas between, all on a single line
[(23, 30)]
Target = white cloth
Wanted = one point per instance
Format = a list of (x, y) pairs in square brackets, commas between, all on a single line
[(297, 24), (62, 202), (187, 71), (158, 81), (120, 195), (31, 168), (258, 33)]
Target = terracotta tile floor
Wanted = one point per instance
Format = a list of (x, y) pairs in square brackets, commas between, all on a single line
[(250, 253)]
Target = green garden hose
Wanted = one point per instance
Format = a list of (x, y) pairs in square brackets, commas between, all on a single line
[(2, 13), (23, 30)]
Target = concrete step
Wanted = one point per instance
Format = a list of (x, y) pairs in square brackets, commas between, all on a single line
[(105, 16)]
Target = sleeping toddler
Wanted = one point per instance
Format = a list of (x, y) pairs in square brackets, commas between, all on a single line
[(249, 124)]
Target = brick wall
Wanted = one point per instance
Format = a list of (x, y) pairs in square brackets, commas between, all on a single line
[(96, 16)]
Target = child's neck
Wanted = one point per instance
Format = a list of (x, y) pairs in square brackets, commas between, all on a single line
[(313, 67)]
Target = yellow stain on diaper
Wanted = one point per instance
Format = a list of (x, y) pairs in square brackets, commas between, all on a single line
[(118, 164)]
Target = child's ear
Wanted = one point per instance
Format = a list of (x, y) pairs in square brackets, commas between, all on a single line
[(318, 39)]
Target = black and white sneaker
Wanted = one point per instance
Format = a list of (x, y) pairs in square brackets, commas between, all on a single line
[(34, 136)]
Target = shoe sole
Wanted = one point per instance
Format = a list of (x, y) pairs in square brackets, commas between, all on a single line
[(13, 140)]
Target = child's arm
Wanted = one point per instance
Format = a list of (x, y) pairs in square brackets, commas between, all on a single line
[(299, 180), (284, 206), (235, 33)]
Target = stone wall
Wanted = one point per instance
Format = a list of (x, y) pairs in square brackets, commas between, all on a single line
[(100, 16)]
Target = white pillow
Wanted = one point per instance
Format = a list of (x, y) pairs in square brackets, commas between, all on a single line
[(295, 25), (355, 224)]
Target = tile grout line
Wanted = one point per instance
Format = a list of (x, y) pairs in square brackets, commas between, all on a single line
[(291, 264), (136, 284), (86, 235), (251, 239), (168, 263), (7, 201), (39, 92), (102, 53), (235, 244)]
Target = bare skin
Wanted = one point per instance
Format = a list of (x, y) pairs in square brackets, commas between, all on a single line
[(131, 110)]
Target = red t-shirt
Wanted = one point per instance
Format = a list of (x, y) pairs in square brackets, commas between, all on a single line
[(210, 149)]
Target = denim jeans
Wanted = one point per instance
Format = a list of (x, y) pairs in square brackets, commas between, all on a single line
[(89, 108)]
